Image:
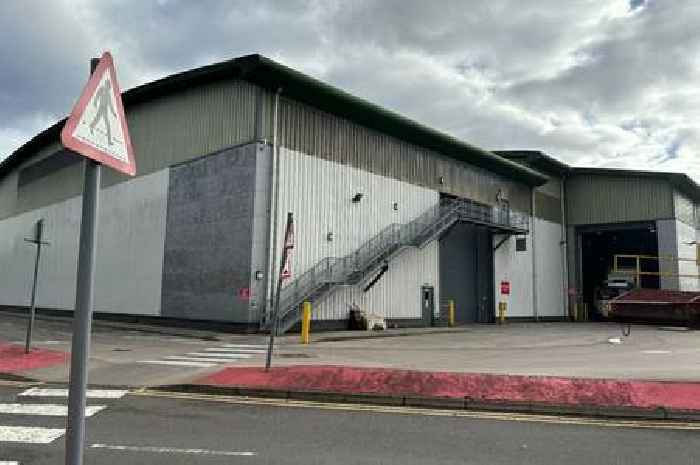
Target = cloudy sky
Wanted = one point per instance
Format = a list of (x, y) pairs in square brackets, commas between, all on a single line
[(610, 83)]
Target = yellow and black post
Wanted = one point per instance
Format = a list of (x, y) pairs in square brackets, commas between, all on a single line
[(305, 322), (451, 312)]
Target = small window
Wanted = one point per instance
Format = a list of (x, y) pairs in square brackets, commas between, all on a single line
[(520, 244)]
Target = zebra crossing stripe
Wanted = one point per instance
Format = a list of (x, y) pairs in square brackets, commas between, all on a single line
[(247, 346), (91, 393), (179, 363), (30, 434), (233, 349), (49, 410), (221, 355), (195, 359)]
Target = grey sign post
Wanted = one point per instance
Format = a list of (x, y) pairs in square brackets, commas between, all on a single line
[(82, 318), (38, 241)]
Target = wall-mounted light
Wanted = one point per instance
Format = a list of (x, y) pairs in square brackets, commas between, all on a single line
[(441, 180), (357, 197), (259, 275), (329, 236), (396, 205)]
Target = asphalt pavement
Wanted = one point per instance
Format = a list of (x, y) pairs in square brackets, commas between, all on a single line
[(142, 428)]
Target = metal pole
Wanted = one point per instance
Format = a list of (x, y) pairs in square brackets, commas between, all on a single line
[(82, 318), (275, 316), (32, 309)]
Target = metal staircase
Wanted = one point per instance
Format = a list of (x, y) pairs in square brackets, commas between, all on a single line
[(318, 281)]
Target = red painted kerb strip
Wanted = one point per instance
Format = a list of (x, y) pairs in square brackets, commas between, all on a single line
[(14, 360), (482, 387)]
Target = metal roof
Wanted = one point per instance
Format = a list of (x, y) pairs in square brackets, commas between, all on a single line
[(548, 164), (271, 75)]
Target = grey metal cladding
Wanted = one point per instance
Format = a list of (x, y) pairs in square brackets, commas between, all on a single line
[(312, 131), (548, 207), (594, 199), (208, 236), (164, 132)]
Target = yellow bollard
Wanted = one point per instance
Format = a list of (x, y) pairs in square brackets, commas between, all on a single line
[(502, 308), (451, 313), (305, 322)]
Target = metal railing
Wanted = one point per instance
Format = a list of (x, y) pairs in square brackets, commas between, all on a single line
[(320, 279)]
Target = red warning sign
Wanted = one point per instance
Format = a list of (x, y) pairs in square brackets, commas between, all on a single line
[(505, 287)]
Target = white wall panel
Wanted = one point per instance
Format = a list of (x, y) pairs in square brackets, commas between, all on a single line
[(550, 283), (515, 267), (320, 193), (686, 235), (129, 261)]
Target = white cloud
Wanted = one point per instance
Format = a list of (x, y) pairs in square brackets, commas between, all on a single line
[(603, 83)]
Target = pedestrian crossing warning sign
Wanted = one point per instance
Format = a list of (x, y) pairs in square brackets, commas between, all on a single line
[(96, 128)]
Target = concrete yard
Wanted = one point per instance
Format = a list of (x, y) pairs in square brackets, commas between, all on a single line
[(556, 349)]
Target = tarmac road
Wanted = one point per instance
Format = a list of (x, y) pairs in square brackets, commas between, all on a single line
[(181, 429)]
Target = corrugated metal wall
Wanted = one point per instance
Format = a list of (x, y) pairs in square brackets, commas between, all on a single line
[(323, 135), (320, 193), (164, 132), (595, 199)]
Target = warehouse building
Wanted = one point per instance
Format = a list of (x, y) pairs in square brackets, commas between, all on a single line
[(390, 216)]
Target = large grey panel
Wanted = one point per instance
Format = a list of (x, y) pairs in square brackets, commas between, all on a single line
[(209, 236), (596, 199), (458, 271), (667, 238)]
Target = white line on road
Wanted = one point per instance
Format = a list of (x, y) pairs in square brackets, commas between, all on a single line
[(171, 450), (49, 410), (221, 355), (234, 349), (195, 359), (248, 346), (9, 462), (178, 363), (91, 393), (656, 352), (29, 435)]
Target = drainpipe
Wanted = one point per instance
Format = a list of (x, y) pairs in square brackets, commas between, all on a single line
[(274, 167), (533, 252), (564, 249)]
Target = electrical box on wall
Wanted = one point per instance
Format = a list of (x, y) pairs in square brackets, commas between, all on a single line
[(520, 244)]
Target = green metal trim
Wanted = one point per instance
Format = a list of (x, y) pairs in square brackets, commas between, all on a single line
[(298, 86)]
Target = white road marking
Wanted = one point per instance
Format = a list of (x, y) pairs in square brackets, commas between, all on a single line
[(171, 450), (234, 349), (9, 462), (222, 355), (656, 352), (178, 363), (247, 346), (30, 435), (195, 359), (49, 410), (91, 393)]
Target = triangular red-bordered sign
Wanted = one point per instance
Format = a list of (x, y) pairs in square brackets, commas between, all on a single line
[(96, 128)]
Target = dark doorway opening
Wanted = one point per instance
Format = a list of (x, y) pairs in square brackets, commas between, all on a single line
[(598, 247)]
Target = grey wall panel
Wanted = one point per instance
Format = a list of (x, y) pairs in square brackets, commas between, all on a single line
[(8, 194), (684, 209), (208, 236), (595, 199), (548, 207), (458, 269), (260, 231), (668, 247), (323, 135), (130, 250)]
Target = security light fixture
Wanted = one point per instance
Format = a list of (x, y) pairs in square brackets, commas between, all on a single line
[(357, 197), (258, 275), (441, 180), (396, 205), (329, 236)]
